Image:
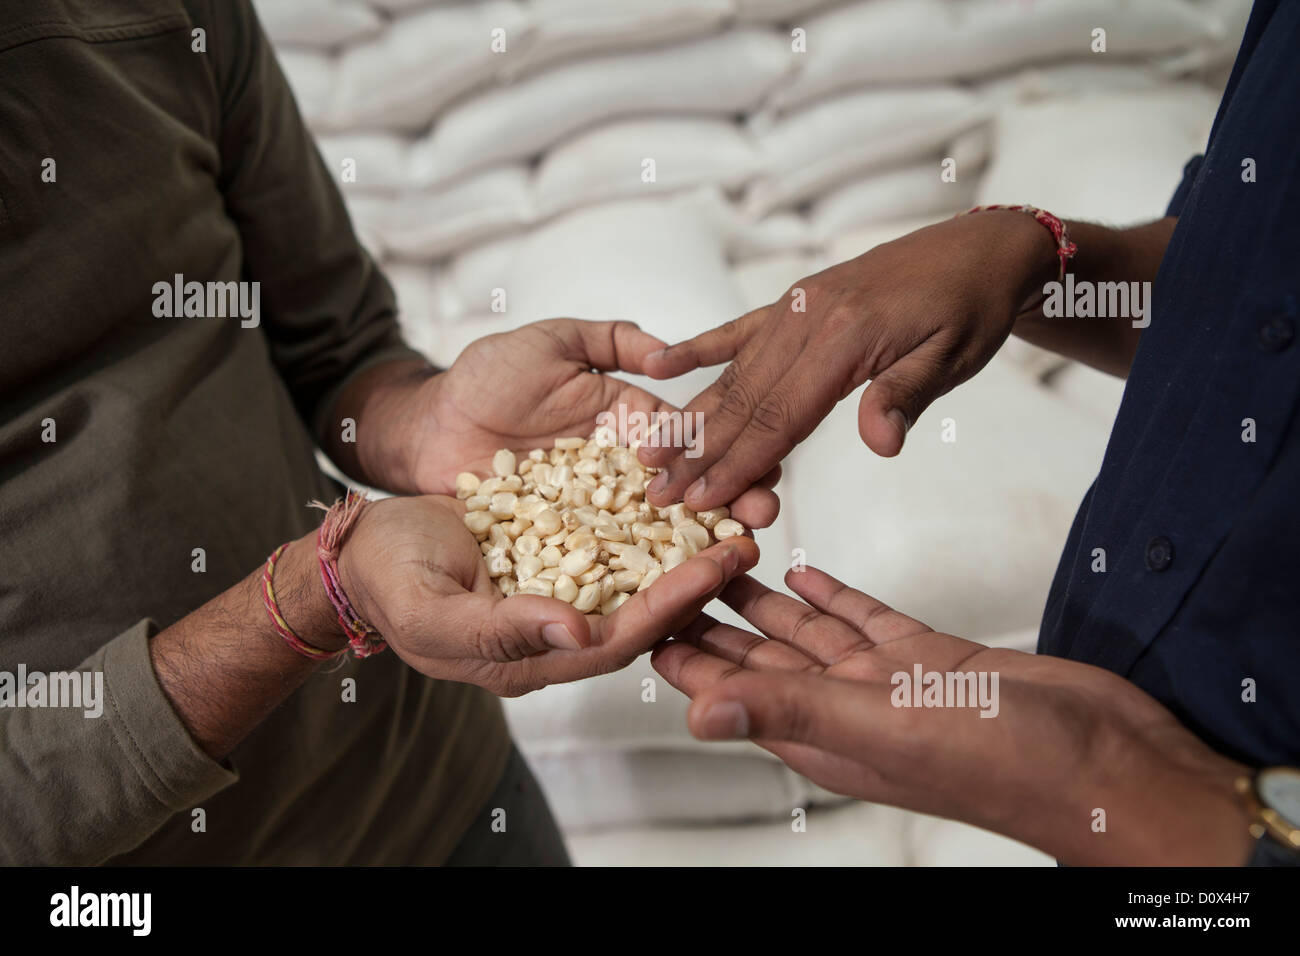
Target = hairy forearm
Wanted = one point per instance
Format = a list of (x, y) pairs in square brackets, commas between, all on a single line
[(385, 404), (1105, 255), (225, 669)]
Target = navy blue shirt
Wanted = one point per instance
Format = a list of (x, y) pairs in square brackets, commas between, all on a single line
[(1201, 529)]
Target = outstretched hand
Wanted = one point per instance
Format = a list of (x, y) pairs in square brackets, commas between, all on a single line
[(1061, 739), (916, 317)]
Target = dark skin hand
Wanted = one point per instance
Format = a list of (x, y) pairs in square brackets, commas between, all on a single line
[(1064, 740), (916, 317)]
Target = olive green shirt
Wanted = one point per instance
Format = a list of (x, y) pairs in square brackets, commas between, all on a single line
[(141, 140)]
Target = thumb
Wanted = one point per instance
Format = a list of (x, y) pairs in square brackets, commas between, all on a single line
[(897, 396), (504, 630), (792, 707), (713, 347)]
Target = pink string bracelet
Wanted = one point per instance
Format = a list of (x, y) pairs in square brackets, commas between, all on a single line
[(339, 520), (1065, 249), (278, 622)]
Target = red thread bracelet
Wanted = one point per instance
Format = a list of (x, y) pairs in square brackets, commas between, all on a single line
[(339, 519), (1065, 249)]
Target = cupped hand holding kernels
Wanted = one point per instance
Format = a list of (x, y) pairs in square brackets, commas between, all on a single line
[(414, 572), (572, 522), (523, 389)]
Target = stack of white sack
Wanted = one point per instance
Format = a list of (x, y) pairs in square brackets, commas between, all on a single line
[(455, 124), (678, 162)]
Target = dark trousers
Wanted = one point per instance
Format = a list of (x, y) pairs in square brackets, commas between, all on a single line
[(530, 836)]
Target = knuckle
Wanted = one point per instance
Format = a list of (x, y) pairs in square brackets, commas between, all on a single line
[(519, 679), (487, 646), (614, 332), (739, 401), (793, 719), (809, 617), (733, 329), (733, 404), (810, 290), (901, 386), (687, 669), (773, 415), (842, 317), (498, 644), (730, 674), (730, 375), (871, 618), (752, 645), (867, 366)]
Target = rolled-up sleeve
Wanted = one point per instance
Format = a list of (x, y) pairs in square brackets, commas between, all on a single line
[(82, 784), (327, 311)]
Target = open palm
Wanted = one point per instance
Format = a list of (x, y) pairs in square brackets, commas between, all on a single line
[(818, 691), (525, 388)]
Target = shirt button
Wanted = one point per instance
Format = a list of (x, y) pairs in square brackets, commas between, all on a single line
[(1160, 553), (1275, 333)]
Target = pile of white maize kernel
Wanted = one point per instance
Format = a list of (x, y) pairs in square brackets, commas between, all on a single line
[(573, 523)]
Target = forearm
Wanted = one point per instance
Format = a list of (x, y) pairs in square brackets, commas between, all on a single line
[(82, 784), (224, 668), (1105, 255), (384, 403)]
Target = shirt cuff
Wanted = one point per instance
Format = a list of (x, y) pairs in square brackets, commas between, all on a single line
[(148, 731)]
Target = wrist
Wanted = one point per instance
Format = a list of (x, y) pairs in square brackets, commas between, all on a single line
[(224, 667), (1158, 811), (1194, 821), (301, 597), (351, 575), (389, 404), (1034, 255), (424, 441)]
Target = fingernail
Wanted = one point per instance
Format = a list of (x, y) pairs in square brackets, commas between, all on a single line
[(731, 561), (899, 420), (657, 354), (726, 720), (559, 636), (697, 489), (658, 483)]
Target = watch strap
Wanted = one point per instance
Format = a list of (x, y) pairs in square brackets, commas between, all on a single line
[(1269, 852)]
